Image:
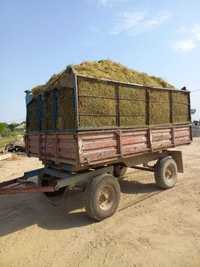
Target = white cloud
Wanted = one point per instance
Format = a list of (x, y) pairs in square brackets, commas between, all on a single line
[(190, 42), (137, 21), (109, 3), (196, 32), (103, 2), (184, 45)]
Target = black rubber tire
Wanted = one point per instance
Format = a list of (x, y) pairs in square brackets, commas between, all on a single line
[(166, 173), (96, 190), (45, 182), (119, 171)]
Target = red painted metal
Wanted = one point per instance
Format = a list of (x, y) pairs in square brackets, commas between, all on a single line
[(19, 185), (88, 148)]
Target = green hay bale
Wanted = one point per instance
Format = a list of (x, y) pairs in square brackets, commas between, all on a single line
[(97, 122), (32, 116), (132, 111), (132, 121), (180, 97), (95, 88), (159, 107), (96, 104), (134, 108), (131, 93), (180, 107), (104, 108), (47, 122), (99, 106), (65, 119)]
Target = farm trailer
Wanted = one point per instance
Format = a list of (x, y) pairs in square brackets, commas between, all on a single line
[(94, 156)]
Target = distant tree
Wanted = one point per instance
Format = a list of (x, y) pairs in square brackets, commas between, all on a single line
[(6, 132), (12, 126), (3, 126), (4, 129)]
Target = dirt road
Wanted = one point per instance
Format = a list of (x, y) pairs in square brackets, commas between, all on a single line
[(151, 228)]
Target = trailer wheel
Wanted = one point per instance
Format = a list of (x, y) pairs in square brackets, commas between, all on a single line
[(45, 182), (119, 171), (166, 173), (102, 197)]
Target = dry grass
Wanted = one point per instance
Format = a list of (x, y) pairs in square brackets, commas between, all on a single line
[(32, 116), (115, 71), (65, 119), (180, 107), (106, 69), (159, 107), (97, 122), (97, 99)]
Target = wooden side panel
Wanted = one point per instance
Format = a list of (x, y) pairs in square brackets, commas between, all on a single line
[(59, 147), (99, 146), (161, 138), (33, 144), (90, 148), (182, 135), (107, 146), (134, 142)]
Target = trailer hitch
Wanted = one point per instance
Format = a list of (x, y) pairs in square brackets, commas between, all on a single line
[(23, 185)]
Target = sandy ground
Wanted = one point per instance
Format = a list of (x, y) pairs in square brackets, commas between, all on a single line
[(151, 228)]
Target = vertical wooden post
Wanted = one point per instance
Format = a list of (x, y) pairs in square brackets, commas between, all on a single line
[(76, 102), (117, 99), (147, 107), (189, 107), (148, 119), (171, 107), (117, 119), (171, 117)]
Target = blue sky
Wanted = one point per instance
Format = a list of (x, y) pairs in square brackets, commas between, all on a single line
[(39, 38)]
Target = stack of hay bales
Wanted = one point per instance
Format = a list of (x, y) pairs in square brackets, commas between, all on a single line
[(180, 107), (97, 105), (32, 122), (100, 100), (159, 111)]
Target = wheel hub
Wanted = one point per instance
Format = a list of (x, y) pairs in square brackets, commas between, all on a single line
[(106, 198), (169, 173)]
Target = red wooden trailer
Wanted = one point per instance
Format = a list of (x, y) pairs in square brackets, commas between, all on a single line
[(95, 159)]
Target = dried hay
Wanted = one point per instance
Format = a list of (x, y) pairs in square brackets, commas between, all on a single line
[(95, 88), (131, 106), (97, 122), (32, 116), (62, 79), (97, 99), (65, 118), (133, 121), (159, 107), (180, 107), (108, 69)]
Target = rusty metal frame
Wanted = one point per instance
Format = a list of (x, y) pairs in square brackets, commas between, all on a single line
[(60, 179), (23, 185)]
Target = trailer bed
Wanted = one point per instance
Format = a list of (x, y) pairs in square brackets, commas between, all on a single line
[(87, 149)]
